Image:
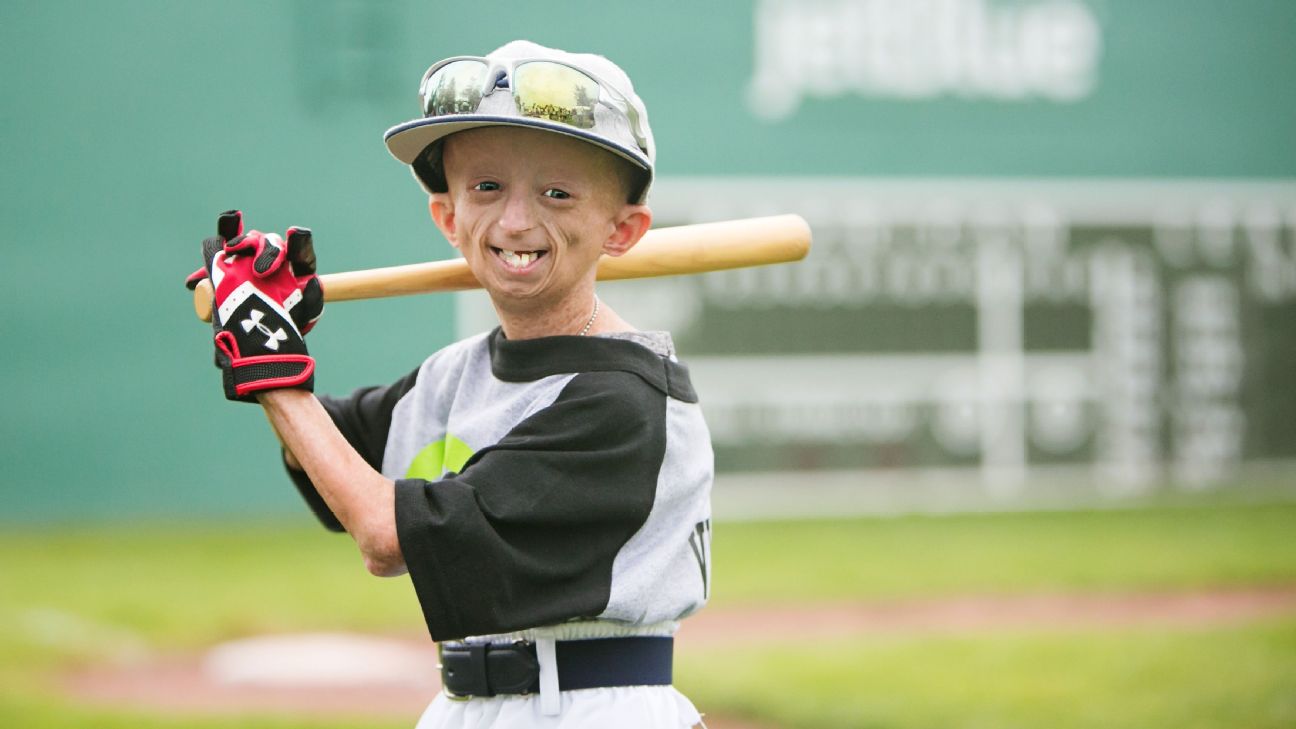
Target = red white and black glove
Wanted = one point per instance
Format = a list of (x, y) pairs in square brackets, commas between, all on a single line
[(266, 298)]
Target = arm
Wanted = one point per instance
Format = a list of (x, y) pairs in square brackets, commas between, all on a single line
[(267, 297), (361, 498), (364, 420), (288, 458)]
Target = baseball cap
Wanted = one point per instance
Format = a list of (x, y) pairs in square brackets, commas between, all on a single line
[(524, 84)]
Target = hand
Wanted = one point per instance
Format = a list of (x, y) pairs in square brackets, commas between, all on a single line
[(262, 307)]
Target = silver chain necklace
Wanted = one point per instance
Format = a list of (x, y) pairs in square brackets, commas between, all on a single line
[(593, 316)]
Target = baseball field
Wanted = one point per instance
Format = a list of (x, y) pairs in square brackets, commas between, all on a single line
[(1153, 617)]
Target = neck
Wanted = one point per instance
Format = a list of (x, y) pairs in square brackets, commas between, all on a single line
[(570, 316)]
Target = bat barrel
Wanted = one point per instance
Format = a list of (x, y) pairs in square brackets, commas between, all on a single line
[(704, 247)]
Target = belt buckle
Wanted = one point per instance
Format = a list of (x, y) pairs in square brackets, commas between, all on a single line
[(440, 671), (477, 657), (524, 644)]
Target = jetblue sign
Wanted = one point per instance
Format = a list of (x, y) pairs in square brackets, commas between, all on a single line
[(922, 49)]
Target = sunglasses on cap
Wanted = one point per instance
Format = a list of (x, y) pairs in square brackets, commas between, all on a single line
[(541, 89)]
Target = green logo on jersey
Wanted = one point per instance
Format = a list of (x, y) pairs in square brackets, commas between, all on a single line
[(436, 459)]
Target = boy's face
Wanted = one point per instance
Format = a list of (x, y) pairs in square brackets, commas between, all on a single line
[(532, 211)]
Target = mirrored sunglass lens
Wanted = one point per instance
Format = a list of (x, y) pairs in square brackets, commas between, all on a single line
[(555, 92), (455, 88)]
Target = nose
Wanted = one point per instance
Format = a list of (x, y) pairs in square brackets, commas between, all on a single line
[(518, 216)]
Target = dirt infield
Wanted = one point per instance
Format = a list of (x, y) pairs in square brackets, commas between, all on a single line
[(340, 674)]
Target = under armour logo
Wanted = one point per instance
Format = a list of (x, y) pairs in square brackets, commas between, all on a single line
[(272, 338)]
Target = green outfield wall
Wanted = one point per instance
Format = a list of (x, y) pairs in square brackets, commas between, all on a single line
[(1052, 236)]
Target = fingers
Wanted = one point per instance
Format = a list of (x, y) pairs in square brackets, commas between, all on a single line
[(210, 247), (234, 258), (301, 251), (301, 254), (266, 249), (308, 310), (271, 256), (192, 280), (230, 224)]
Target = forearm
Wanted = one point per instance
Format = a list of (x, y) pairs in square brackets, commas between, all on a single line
[(289, 459), (361, 498)]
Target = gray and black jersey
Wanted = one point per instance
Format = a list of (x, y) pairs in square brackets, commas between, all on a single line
[(543, 482)]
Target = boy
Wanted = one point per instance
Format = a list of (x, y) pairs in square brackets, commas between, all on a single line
[(546, 485)]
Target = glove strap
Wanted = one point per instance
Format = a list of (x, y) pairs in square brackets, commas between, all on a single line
[(246, 375)]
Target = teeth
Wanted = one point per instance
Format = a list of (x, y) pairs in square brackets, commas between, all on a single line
[(518, 260)]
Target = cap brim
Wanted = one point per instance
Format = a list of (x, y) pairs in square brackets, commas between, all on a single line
[(407, 141)]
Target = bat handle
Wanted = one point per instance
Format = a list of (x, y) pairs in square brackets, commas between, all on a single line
[(203, 295)]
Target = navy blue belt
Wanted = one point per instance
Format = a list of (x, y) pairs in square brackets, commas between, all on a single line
[(471, 669)]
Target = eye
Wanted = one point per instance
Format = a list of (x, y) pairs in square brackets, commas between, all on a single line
[(557, 194), (486, 186)]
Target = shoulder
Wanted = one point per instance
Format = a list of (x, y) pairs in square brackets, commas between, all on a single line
[(592, 411), (460, 351), (626, 394), (464, 355), (597, 360)]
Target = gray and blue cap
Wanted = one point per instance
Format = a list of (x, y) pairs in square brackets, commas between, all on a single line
[(523, 84)]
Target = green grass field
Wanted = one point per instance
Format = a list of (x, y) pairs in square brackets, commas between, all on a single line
[(84, 595)]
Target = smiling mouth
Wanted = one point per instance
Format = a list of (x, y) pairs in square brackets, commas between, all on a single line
[(517, 259)]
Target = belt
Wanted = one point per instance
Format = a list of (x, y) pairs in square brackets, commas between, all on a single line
[(471, 670)]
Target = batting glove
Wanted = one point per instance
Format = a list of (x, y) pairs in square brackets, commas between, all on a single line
[(266, 298)]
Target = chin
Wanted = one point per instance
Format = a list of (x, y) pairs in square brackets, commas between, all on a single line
[(515, 294)]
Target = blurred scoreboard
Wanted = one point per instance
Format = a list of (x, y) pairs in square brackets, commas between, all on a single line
[(1126, 332)]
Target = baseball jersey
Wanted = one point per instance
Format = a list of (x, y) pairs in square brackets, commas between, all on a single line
[(560, 484)]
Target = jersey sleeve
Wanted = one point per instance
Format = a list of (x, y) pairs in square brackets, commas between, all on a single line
[(364, 419), (527, 533)]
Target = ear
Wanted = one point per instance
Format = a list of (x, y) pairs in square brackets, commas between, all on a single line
[(631, 222), (442, 209)]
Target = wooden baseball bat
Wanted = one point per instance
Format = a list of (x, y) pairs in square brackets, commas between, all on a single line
[(662, 252)]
